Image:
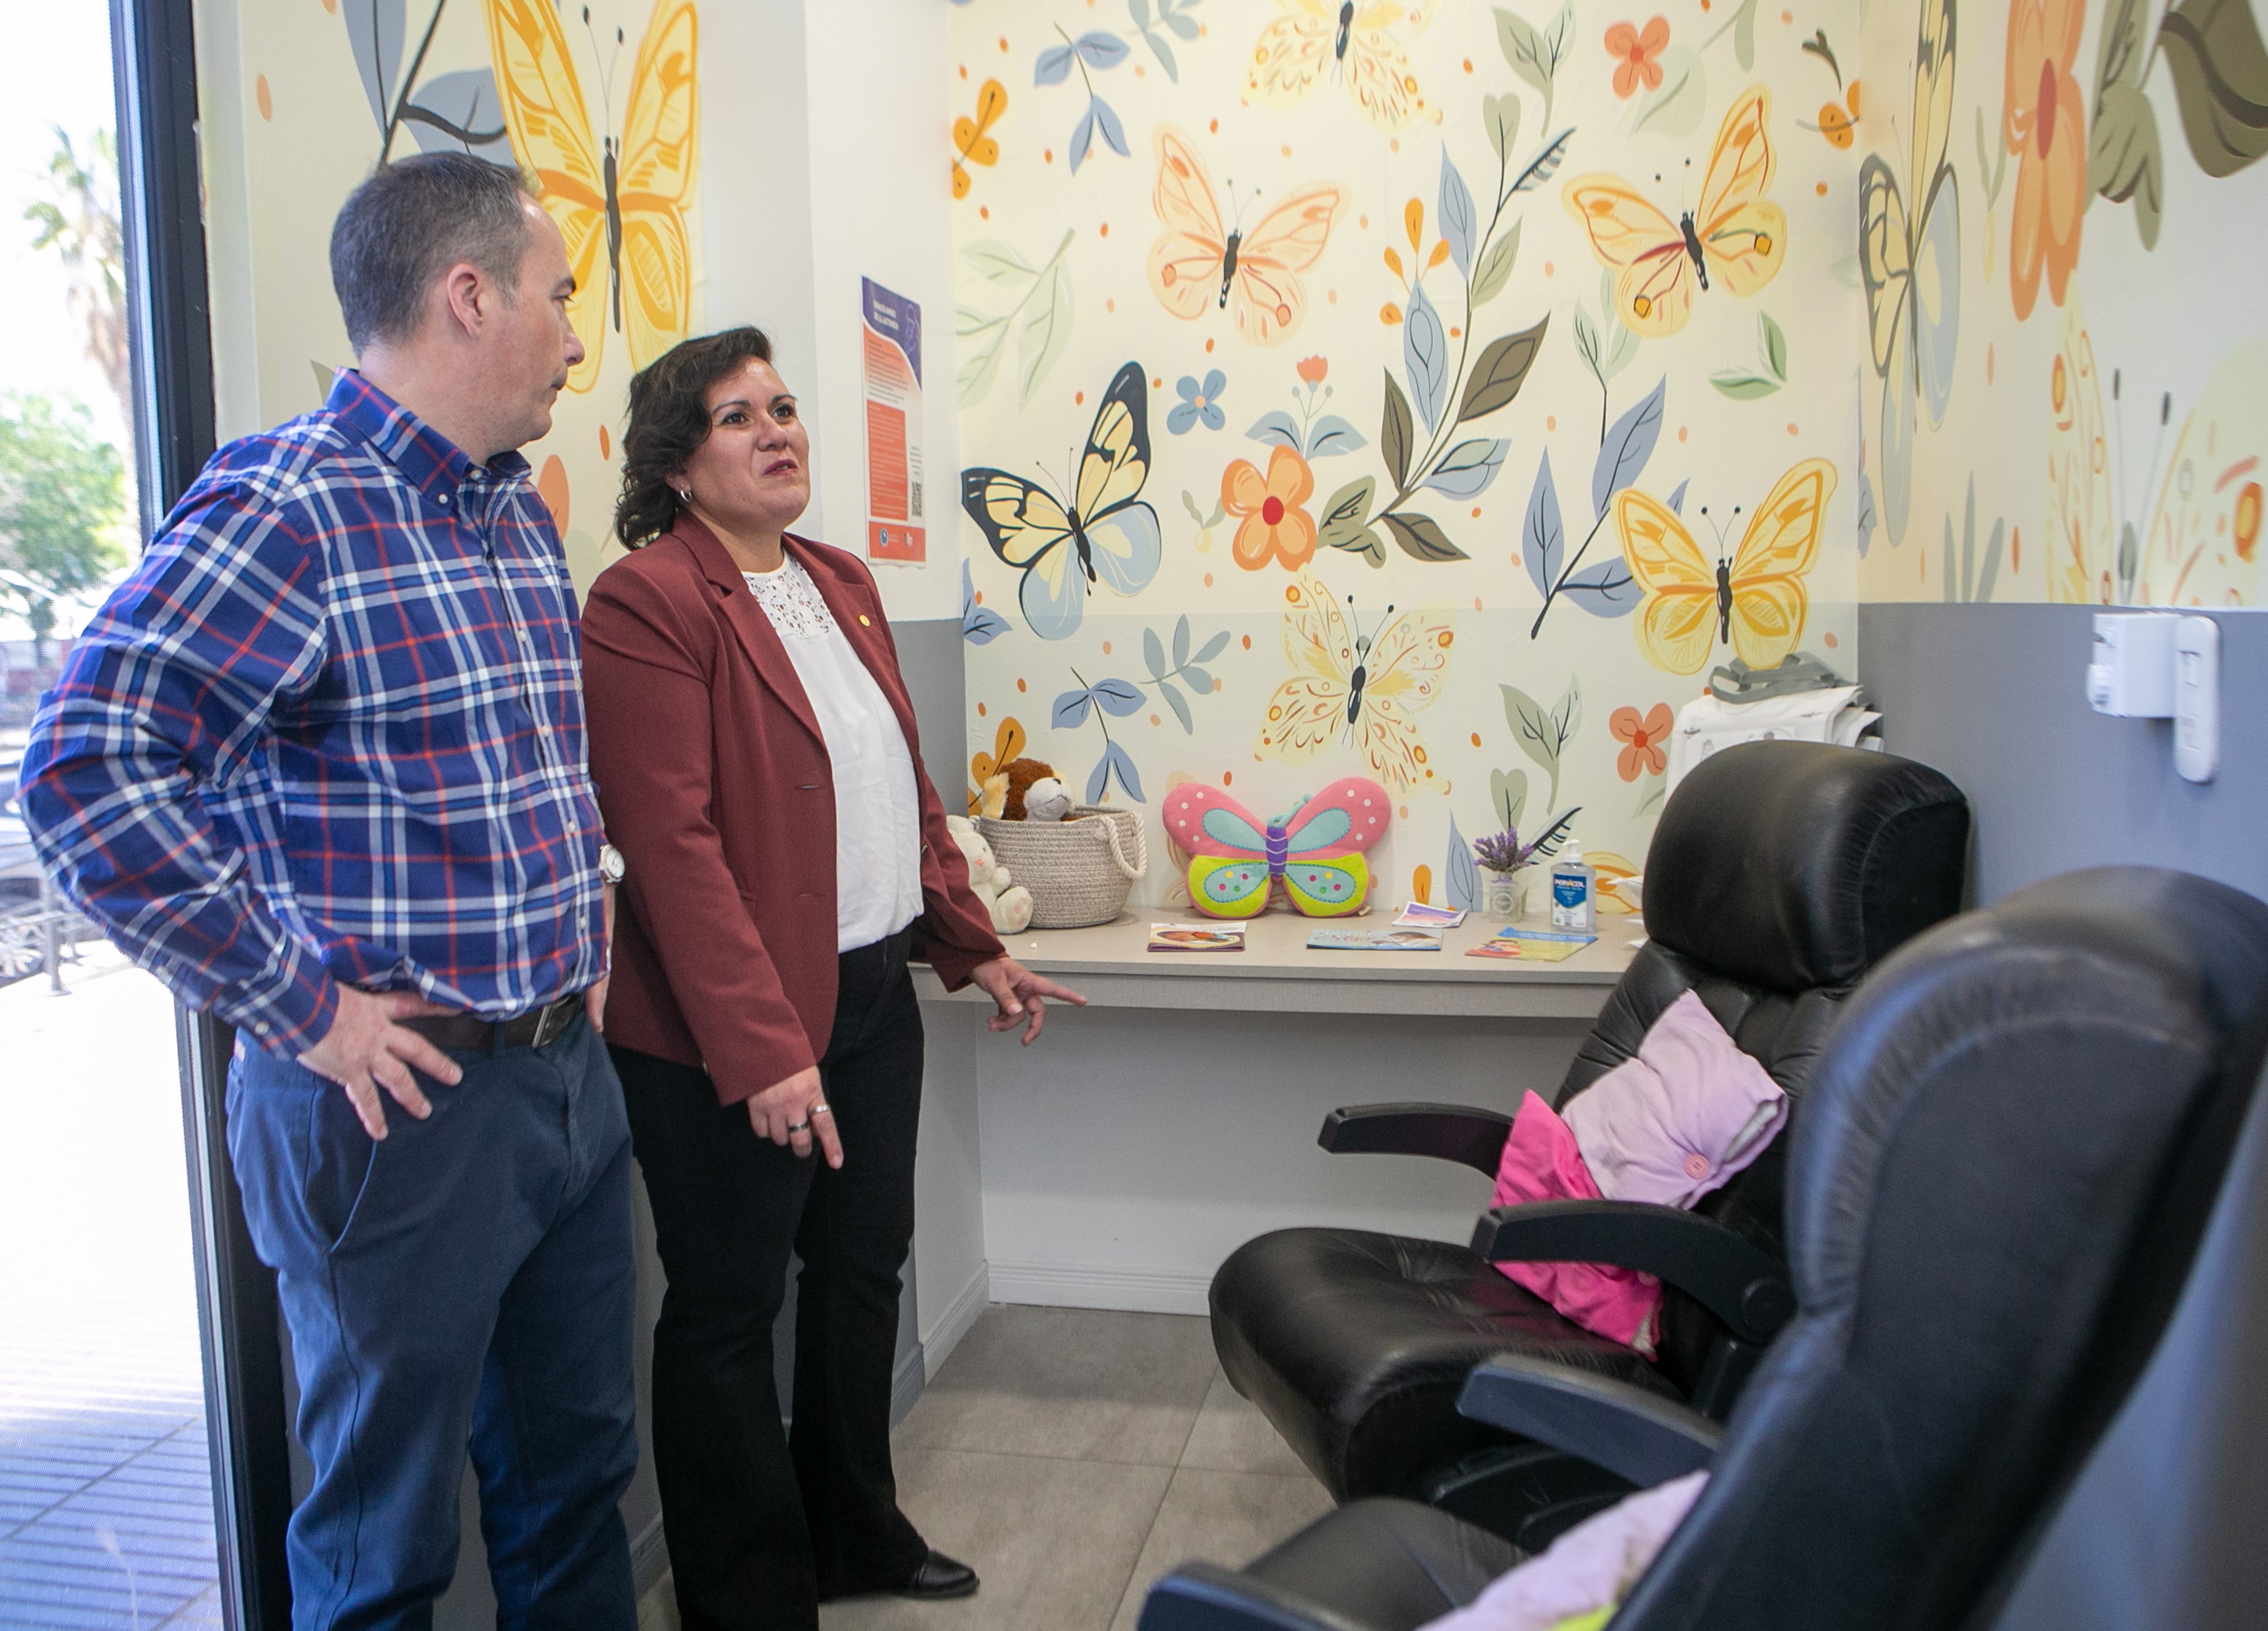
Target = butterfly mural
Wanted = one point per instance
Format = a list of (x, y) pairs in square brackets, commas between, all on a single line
[(2186, 530), (1106, 533), (2081, 510), (1360, 690), (1755, 599), (1910, 263), (1361, 46), (1737, 233), (1200, 260), (627, 197), (1008, 744), (1315, 849)]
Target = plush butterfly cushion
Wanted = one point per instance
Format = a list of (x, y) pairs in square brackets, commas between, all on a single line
[(1668, 1126), (1317, 850), (1541, 1162), (1576, 1584)]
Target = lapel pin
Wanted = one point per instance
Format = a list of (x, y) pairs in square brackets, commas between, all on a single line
[(864, 622)]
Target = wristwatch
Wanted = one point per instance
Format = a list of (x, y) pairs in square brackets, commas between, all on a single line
[(612, 867)]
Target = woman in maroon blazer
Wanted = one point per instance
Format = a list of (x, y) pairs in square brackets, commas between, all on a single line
[(786, 855)]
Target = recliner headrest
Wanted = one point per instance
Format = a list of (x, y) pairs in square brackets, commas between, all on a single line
[(1798, 864)]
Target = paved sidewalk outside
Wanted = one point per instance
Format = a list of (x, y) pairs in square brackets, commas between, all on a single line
[(106, 1519)]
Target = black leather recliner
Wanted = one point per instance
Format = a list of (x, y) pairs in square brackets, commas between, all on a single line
[(1778, 874), (2007, 1157)]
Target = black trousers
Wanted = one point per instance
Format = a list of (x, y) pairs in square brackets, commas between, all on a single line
[(763, 1526)]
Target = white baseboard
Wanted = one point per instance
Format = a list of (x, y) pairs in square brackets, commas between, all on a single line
[(938, 1341), (1139, 1291)]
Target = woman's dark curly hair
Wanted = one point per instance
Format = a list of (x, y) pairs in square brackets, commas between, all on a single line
[(668, 420)]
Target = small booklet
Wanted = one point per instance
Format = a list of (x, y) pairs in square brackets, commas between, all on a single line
[(1409, 939), (1430, 916), (1196, 936), (1532, 945)]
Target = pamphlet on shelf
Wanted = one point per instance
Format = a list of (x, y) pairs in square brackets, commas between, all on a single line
[(1413, 938), (1532, 945), (1430, 916), (1196, 936)]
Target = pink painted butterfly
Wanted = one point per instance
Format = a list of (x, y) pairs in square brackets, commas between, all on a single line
[(1315, 848)]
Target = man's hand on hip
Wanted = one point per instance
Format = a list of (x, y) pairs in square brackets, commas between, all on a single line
[(365, 1050)]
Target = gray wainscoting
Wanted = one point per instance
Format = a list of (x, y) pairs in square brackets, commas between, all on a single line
[(2161, 1528)]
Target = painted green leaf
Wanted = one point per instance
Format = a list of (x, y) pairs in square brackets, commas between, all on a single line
[(1773, 344), (1501, 115), (2220, 81), (1342, 523), (1508, 796), (1532, 728), (1495, 269), (1398, 435), (1587, 338), (1744, 35), (1497, 377), (1742, 386), (998, 263), (1676, 107), (1046, 330), (2118, 49), (981, 363), (1420, 536), (1529, 53), (2124, 162)]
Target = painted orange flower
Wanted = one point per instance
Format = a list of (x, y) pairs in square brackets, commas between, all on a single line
[(1273, 524), (1642, 741), (1312, 369), (1637, 54), (2045, 127)]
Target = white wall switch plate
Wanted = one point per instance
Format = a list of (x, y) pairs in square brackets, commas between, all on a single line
[(2197, 697)]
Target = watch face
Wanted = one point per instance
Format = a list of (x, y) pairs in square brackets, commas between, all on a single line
[(611, 864)]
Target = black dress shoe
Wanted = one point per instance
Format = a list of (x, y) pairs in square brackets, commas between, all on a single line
[(939, 1577)]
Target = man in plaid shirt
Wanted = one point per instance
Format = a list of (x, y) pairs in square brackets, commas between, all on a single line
[(319, 764)]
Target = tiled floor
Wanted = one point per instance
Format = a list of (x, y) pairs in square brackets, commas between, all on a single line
[(1072, 1457), (105, 1516)]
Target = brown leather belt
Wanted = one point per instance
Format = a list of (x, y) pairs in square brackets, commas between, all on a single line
[(536, 1028)]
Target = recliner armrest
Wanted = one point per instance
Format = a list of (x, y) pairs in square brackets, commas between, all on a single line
[(1725, 1273), (1633, 1433), (1203, 1596), (1467, 1135)]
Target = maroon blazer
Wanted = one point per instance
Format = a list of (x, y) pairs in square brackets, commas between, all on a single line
[(715, 787)]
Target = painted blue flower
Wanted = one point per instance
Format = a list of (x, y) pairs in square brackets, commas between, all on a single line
[(1198, 402)]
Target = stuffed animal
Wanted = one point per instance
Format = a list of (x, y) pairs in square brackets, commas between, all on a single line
[(992, 796), (1009, 902), (1021, 774), (1047, 799)]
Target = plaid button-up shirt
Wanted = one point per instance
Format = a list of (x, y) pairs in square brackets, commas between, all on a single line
[(330, 728)]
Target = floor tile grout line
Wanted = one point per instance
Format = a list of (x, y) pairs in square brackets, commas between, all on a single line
[(92, 1483), (1142, 1548)]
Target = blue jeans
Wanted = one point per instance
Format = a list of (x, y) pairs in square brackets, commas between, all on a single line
[(468, 1282)]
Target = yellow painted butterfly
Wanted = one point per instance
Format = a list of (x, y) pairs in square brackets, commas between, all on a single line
[(1755, 599)]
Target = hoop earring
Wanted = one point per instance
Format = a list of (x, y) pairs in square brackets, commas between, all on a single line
[(685, 496)]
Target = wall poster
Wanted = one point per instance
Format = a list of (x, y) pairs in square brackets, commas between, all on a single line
[(892, 337)]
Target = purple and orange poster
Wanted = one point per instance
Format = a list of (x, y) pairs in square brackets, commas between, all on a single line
[(894, 454)]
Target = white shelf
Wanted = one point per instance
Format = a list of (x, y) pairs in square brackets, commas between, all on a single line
[(1279, 973)]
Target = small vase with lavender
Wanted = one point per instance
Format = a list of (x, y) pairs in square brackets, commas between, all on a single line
[(1504, 859)]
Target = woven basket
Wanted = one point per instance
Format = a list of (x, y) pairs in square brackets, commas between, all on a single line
[(1078, 869)]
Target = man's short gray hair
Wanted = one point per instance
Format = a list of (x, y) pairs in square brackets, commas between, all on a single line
[(410, 222)]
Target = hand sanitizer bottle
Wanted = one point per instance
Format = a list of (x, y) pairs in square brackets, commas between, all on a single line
[(1574, 889)]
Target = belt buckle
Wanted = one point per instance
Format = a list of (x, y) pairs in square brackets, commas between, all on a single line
[(552, 1023)]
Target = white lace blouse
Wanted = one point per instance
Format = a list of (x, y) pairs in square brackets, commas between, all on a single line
[(877, 810)]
